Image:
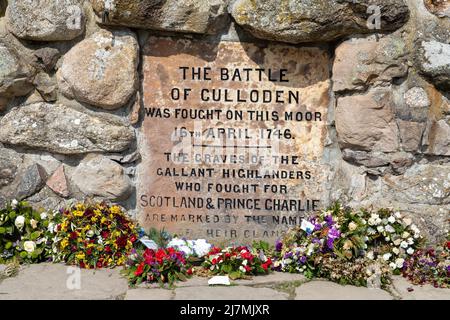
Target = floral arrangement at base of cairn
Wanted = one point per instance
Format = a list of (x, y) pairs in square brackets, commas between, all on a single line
[(26, 234), (429, 265), (161, 265), (349, 246), (94, 235), (237, 262)]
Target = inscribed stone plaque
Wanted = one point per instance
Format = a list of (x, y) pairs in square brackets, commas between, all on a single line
[(233, 138)]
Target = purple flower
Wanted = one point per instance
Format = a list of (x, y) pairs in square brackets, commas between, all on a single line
[(330, 243), (303, 259), (329, 220), (315, 240), (278, 245), (317, 227), (288, 255), (334, 233)]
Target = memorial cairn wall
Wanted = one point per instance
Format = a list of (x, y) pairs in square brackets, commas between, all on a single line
[(228, 120)]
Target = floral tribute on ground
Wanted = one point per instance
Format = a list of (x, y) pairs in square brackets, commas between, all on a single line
[(94, 236), (359, 247)]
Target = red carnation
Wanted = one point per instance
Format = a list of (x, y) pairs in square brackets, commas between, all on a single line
[(121, 241), (105, 234), (99, 264), (189, 271), (108, 249), (82, 265), (73, 235), (214, 261), (139, 270), (89, 251), (448, 244), (133, 238)]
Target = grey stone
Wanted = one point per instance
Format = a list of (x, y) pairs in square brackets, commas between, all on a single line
[(31, 181), (421, 184), (362, 62), (436, 138), (397, 161), (367, 122), (9, 166), (434, 62), (46, 200), (417, 97), (201, 16), (410, 134), (228, 293), (315, 20), (46, 86), (46, 58), (16, 76), (101, 70), (46, 20), (425, 292), (325, 290), (46, 281), (100, 176), (149, 294), (59, 129)]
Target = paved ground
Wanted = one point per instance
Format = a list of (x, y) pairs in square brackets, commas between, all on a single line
[(56, 281)]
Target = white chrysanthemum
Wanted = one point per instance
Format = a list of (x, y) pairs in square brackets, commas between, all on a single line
[(404, 244), (390, 228), (44, 215), (387, 256), (399, 262), (391, 219), (29, 246), (410, 251), (395, 251), (19, 222)]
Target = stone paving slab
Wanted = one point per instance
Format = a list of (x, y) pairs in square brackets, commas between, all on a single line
[(325, 290), (273, 278), (229, 293), (149, 294), (50, 281), (425, 292)]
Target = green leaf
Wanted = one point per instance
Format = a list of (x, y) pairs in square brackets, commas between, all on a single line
[(35, 235), (234, 275), (2, 230), (12, 215)]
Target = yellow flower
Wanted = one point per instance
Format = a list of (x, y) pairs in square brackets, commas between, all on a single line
[(80, 207), (93, 219), (103, 220), (115, 210), (97, 213), (64, 226), (64, 243), (78, 213), (121, 261), (80, 256)]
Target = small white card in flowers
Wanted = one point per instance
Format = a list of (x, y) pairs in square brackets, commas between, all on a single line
[(307, 226), (149, 243)]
